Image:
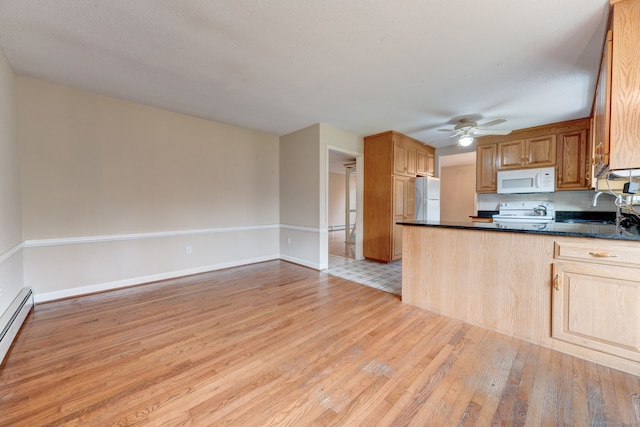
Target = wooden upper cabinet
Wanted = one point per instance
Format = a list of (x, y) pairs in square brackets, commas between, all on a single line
[(616, 108), (421, 162), (404, 156), (411, 161), (425, 162), (431, 162), (527, 153), (573, 161), (565, 145), (541, 151), (624, 138), (511, 154), (399, 158), (601, 123), (486, 168)]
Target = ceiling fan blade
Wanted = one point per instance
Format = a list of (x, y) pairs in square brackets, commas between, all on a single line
[(445, 130), (442, 139), (492, 123), (490, 132)]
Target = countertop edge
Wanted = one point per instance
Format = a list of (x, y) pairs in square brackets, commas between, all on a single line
[(606, 232)]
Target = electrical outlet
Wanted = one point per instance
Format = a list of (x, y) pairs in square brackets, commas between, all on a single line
[(189, 249), (288, 240)]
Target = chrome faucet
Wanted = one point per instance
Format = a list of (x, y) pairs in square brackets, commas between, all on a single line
[(594, 202)]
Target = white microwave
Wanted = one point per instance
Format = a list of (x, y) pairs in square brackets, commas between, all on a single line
[(538, 180)]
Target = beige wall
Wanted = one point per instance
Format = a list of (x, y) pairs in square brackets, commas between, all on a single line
[(11, 281), (113, 192), (300, 177), (457, 192), (96, 165), (300, 197)]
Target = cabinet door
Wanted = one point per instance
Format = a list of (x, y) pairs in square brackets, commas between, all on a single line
[(421, 163), (602, 111), (431, 164), (399, 158), (399, 196), (511, 154), (624, 150), (573, 161), (540, 151), (486, 169), (412, 154), (404, 205), (597, 307)]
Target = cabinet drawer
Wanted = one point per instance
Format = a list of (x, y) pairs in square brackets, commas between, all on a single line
[(599, 251)]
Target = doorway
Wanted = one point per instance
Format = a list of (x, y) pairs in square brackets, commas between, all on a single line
[(457, 174), (342, 204)]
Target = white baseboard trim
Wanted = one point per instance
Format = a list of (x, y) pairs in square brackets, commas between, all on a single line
[(300, 262), (102, 287)]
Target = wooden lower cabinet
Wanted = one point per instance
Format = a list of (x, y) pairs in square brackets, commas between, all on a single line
[(597, 307), (579, 296), (404, 207), (596, 295)]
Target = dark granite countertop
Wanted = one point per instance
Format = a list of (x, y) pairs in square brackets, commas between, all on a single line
[(596, 231)]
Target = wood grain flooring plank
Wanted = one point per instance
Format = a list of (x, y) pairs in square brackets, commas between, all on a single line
[(509, 393), (580, 401), (521, 404), (536, 400), (594, 395)]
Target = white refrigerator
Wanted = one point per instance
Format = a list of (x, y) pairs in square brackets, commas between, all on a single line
[(427, 199)]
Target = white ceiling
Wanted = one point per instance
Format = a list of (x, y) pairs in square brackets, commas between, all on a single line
[(364, 66)]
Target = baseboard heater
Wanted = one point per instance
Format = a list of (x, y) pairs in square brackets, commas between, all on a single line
[(12, 319)]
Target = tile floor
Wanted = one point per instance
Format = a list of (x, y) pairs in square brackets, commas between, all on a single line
[(386, 277)]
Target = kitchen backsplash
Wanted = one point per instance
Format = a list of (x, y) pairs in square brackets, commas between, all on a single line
[(564, 200)]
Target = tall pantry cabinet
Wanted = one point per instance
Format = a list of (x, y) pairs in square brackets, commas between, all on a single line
[(391, 163)]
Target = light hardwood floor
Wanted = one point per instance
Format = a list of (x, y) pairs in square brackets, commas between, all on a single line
[(337, 245), (278, 344)]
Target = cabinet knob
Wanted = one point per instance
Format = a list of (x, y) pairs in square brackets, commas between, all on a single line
[(556, 282), (603, 255)]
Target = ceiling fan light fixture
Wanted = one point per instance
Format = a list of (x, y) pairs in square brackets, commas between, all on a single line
[(465, 140)]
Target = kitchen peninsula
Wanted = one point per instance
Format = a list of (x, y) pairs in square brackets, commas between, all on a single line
[(574, 288)]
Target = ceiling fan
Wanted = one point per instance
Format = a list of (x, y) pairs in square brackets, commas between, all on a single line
[(466, 129)]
